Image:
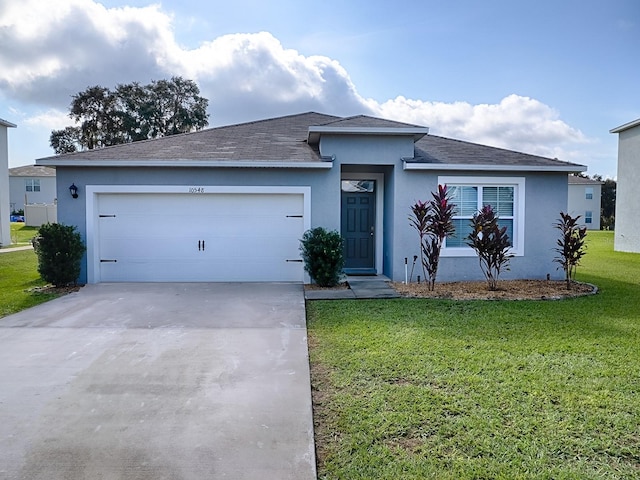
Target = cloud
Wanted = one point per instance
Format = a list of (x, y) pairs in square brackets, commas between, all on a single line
[(517, 122), (48, 57), (246, 76), (50, 53)]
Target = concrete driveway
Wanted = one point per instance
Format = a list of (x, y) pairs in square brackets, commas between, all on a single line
[(158, 381)]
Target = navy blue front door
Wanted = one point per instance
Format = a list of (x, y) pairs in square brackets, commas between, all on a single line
[(357, 228)]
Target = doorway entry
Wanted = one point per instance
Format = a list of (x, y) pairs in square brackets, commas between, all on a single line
[(358, 224)]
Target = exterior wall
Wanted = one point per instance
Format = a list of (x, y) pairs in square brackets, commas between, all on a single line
[(325, 188), (578, 204), (46, 195), (627, 231), (545, 197), (367, 150), (365, 155), (5, 226)]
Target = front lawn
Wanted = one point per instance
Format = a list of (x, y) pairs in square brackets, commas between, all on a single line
[(418, 388), (18, 279), (21, 234)]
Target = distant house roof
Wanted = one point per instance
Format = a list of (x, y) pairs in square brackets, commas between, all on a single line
[(626, 126), (32, 171), (575, 180), (292, 141), (6, 123)]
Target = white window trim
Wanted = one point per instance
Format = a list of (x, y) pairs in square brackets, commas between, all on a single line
[(33, 183), (518, 221)]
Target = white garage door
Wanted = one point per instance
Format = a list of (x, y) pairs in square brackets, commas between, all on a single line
[(176, 237)]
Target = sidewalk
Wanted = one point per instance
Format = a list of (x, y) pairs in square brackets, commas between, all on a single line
[(360, 287), (16, 249)]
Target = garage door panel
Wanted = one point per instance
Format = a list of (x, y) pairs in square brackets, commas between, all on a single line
[(156, 237)]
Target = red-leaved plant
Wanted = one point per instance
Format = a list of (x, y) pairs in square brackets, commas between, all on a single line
[(433, 221), (491, 243), (570, 245)]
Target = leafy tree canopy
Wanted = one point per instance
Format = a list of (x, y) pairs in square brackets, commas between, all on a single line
[(131, 112)]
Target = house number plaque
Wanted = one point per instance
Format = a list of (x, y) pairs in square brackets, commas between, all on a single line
[(196, 189)]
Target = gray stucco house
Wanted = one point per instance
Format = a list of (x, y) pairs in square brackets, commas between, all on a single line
[(585, 200), (33, 183), (231, 203), (627, 232)]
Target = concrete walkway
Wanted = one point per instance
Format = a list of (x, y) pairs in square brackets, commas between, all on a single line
[(158, 381), (16, 249), (360, 287)]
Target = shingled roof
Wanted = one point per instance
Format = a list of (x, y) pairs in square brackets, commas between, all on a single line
[(433, 152), (32, 171), (292, 140)]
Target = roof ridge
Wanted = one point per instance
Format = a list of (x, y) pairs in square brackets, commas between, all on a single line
[(353, 117)]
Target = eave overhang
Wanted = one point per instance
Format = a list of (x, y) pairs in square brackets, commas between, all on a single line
[(315, 132), (626, 126), (174, 163), (493, 168)]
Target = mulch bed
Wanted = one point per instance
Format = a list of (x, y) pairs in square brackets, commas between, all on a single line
[(507, 290), (57, 290)]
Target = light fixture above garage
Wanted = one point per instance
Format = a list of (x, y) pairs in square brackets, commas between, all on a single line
[(73, 190)]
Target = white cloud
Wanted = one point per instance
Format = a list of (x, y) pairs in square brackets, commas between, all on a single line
[(51, 119), (517, 122), (49, 54)]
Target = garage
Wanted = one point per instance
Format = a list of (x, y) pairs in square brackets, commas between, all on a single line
[(196, 234)]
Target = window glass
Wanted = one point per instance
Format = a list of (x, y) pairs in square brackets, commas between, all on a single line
[(469, 199), (588, 217), (588, 193), (463, 229), (32, 184), (465, 199), (500, 199), (358, 186)]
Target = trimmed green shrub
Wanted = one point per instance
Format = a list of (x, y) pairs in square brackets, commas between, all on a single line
[(59, 249), (322, 255)]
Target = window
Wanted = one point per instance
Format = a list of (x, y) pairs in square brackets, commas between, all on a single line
[(470, 194), (588, 217), (588, 193), (33, 184)]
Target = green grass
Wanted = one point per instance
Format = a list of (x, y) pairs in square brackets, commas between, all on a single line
[(417, 388), (18, 275), (21, 234)]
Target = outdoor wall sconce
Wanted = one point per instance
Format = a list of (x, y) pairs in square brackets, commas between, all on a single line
[(73, 190)]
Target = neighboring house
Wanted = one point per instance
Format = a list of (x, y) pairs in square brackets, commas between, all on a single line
[(5, 224), (627, 230), (585, 197), (231, 203), (32, 184)]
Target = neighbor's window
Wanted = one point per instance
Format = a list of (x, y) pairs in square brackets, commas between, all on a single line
[(470, 195), (588, 193), (33, 184), (588, 217)]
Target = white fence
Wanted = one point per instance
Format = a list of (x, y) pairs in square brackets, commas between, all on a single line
[(38, 214)]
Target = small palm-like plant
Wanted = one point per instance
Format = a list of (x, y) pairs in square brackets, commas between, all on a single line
[(433, 221), (571, 247), (491, 243)]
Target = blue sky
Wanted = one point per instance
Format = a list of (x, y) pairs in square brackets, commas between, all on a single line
[(546, 77)]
